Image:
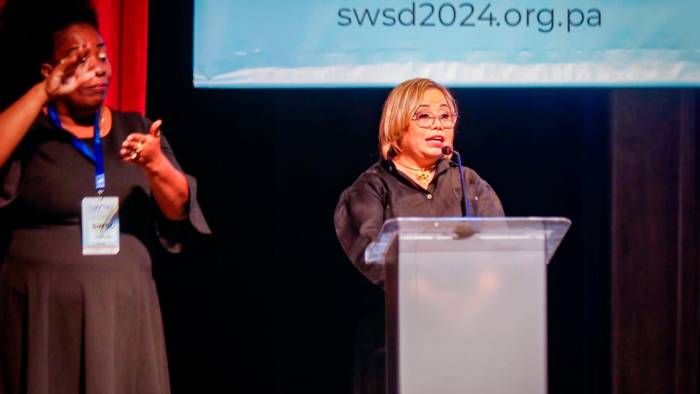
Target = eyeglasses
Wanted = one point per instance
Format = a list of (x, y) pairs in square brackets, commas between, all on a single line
[(426, 120)]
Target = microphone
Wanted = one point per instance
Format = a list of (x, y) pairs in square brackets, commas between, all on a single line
[(447, 150)]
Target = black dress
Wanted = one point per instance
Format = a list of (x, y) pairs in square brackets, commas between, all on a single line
[(71, 323)]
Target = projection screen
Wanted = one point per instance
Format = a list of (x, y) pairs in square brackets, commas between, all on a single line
[(344, 43)]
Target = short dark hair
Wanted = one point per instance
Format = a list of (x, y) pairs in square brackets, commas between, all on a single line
[(28, 30)]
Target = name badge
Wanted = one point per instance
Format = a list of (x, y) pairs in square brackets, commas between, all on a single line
[(100, 225)]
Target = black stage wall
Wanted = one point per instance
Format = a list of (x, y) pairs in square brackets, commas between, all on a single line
[(270, 303)]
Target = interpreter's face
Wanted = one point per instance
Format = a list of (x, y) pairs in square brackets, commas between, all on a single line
[(422, 144), (83, 37)]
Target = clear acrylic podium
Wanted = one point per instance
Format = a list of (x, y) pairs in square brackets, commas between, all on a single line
[(466, 303)]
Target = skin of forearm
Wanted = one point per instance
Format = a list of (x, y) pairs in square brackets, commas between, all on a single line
[(16, 120), (169, 187)]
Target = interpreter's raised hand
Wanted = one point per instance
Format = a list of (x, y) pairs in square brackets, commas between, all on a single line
[(144, 149), (69, 74)]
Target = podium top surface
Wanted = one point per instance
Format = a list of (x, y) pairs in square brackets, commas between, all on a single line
[(551, 229)]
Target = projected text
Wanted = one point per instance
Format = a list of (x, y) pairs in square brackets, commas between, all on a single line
[(466, 15)]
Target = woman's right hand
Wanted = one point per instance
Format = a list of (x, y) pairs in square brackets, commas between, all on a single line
[(60, 79), (67, 76)]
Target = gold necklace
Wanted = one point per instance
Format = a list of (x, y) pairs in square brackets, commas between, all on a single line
[(423, 175)]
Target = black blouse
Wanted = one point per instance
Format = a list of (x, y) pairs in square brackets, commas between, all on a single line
[(382, 192)]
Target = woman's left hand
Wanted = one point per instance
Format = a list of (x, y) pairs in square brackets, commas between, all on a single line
[(144, 149)]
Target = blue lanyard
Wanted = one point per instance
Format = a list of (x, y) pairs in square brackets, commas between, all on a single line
[(94, 155)]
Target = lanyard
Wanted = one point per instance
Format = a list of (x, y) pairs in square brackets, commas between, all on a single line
[(94, 155)]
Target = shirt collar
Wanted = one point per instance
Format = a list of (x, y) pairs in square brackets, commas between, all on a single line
[(443, 165)]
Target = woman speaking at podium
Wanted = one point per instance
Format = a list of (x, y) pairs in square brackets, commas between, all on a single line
[(417, 175)]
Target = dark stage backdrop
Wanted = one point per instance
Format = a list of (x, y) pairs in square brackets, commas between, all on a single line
[(270, 304)]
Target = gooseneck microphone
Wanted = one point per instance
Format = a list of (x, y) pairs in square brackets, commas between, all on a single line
[(447, 150)]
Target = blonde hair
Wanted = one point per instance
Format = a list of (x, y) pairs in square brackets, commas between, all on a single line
[(399, 108)]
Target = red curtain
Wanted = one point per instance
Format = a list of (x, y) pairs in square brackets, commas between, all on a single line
[(124, 27)]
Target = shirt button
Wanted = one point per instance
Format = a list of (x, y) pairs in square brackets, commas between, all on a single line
[(430, 196)]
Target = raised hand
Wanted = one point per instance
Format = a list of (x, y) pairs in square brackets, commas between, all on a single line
[(143, 149), (69, 74), (168, 184)]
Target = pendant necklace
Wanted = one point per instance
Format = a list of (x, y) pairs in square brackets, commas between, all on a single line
[(422, 175)]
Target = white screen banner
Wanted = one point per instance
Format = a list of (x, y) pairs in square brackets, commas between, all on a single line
[(336, 43)]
